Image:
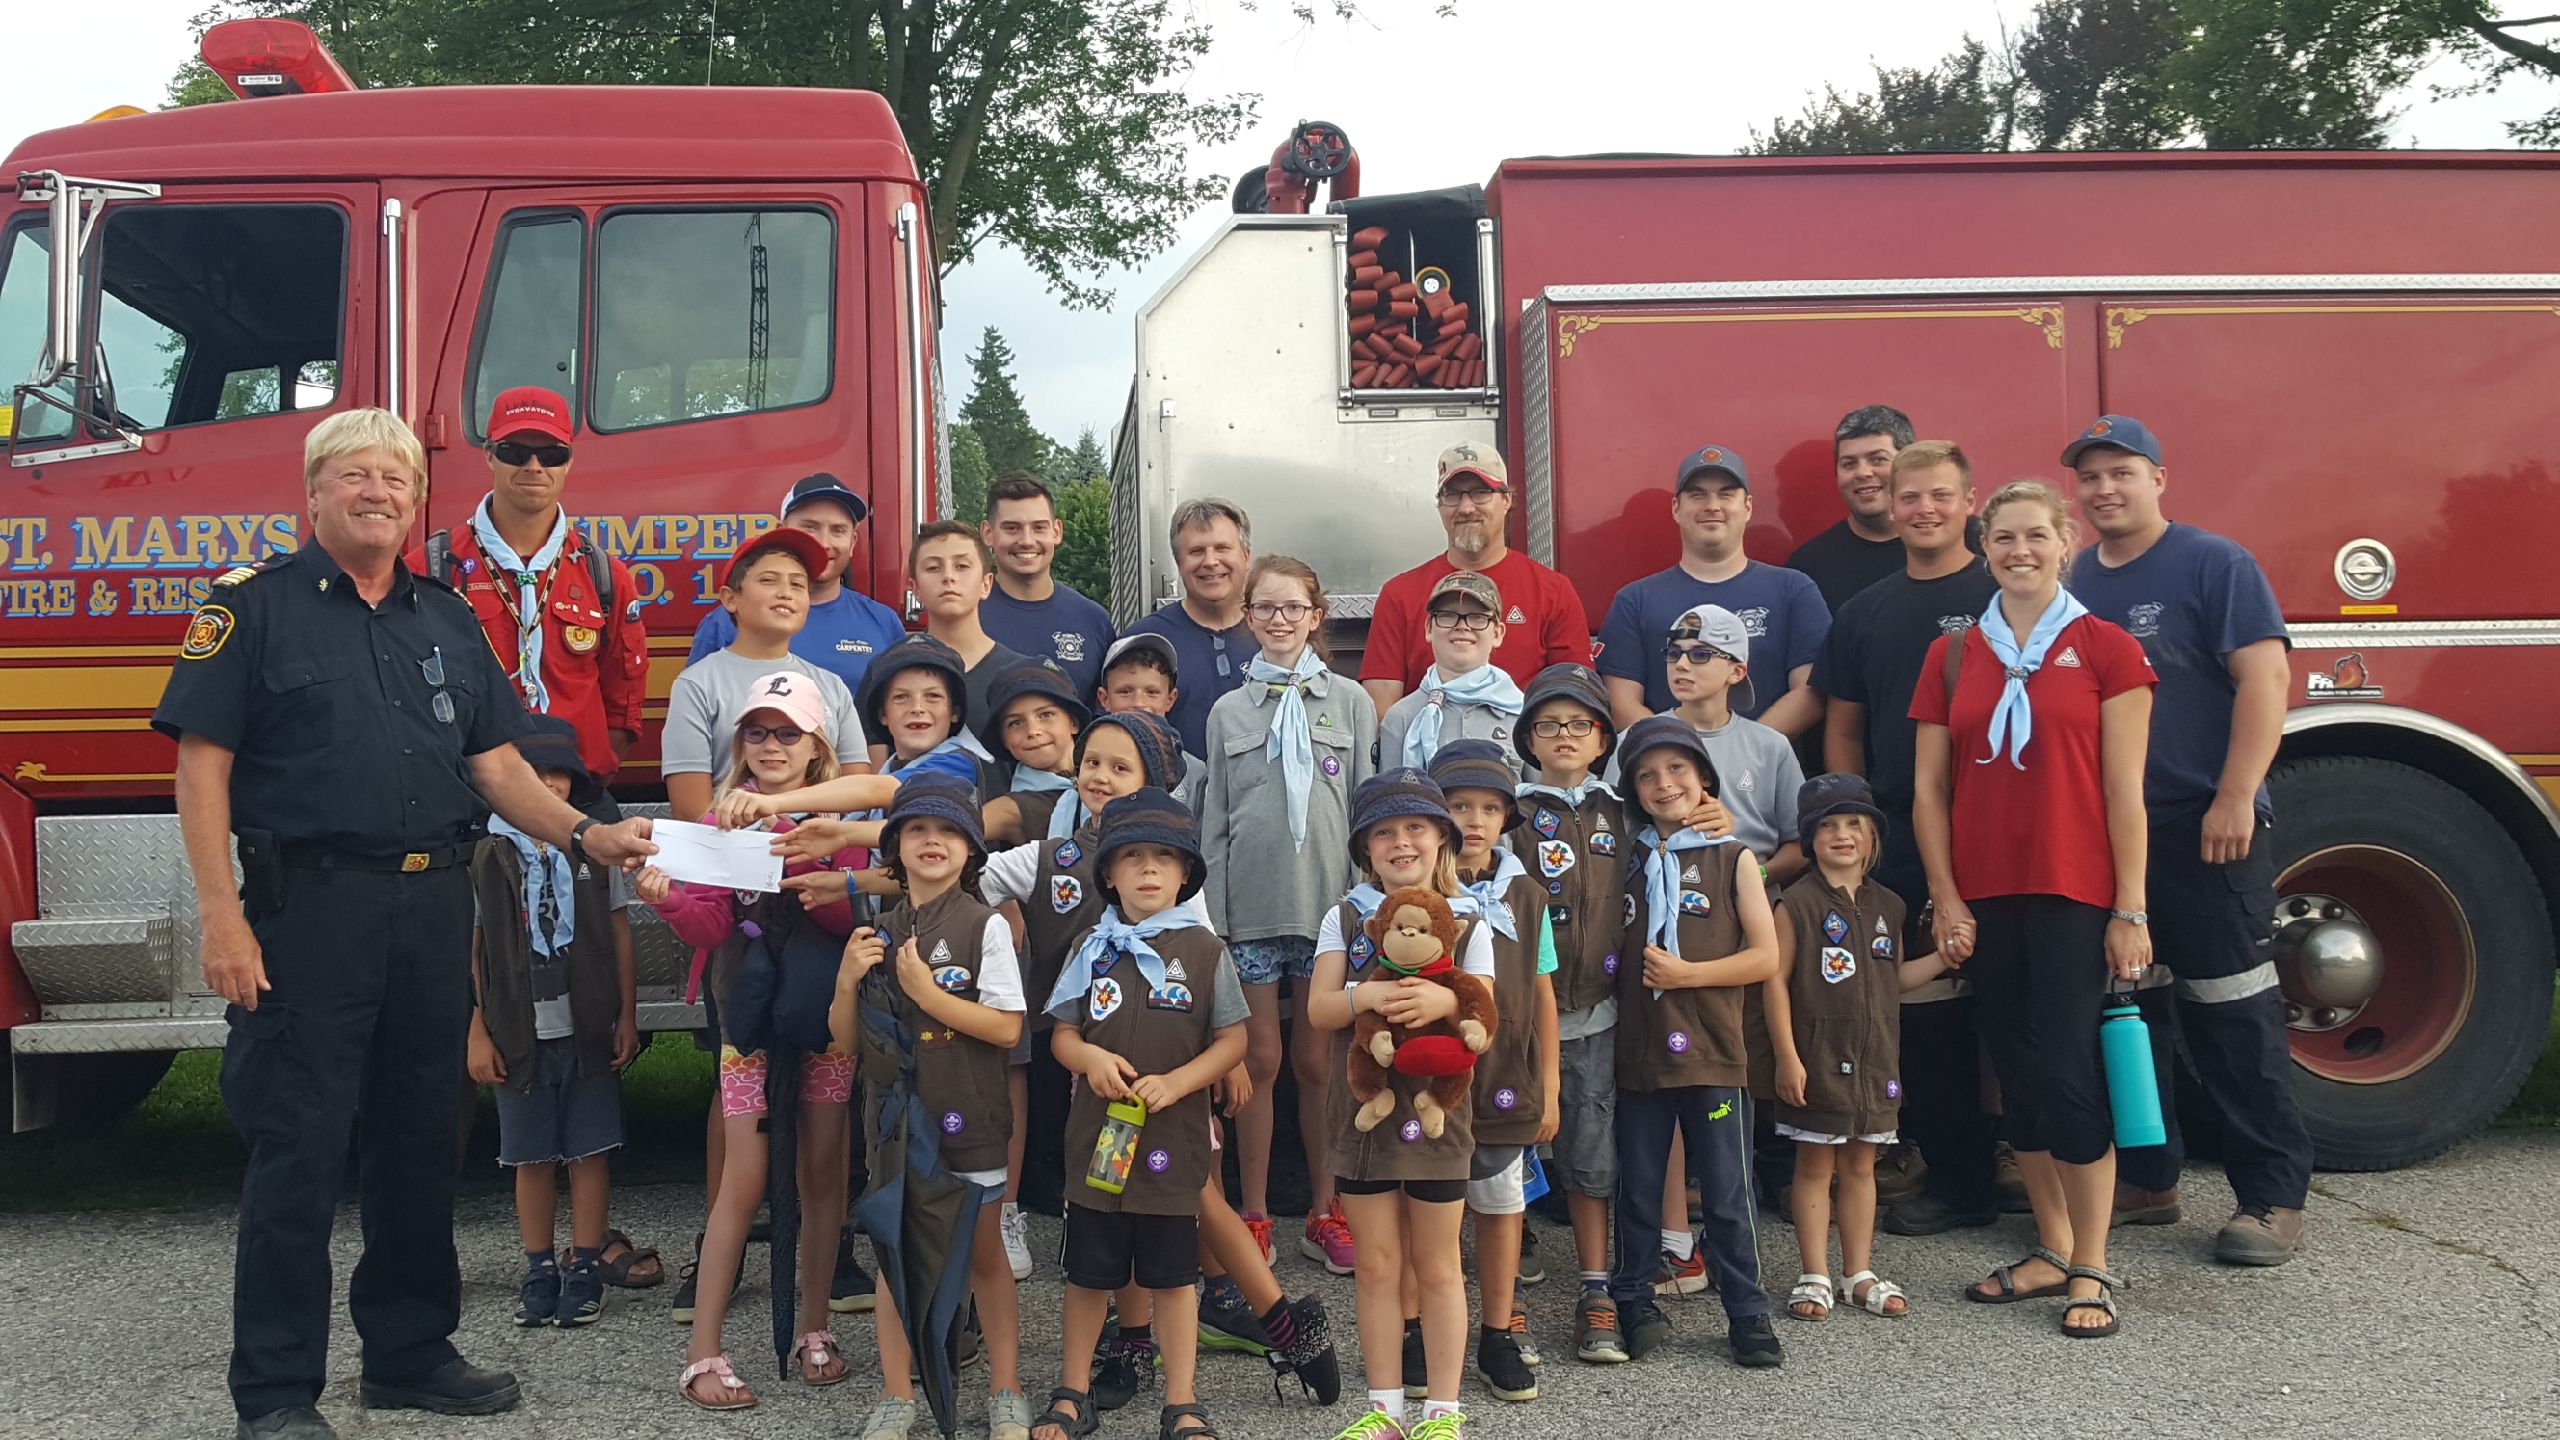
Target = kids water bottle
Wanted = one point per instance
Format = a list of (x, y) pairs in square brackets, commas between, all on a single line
[(1115, 1150), (2133, 1087)]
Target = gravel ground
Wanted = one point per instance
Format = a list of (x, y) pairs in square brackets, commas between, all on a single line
[(2424, 1304)]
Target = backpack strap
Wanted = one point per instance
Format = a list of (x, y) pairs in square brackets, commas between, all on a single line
[(440, 556), (600, 570)]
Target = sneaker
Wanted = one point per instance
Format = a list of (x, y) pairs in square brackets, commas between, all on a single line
[(1518, 1329), (1227, 1322), (2012, 1184), (1447, 1425), (581, 1294), (1505, 1373), (1755, 1343), (1533, 1270), (1930, 1215), (1372, 1424), (1595, 1331), (1008, 1416), (890, 1419), (1309, 1354), (2259, 1235), (1683, 1277), (538, 1299), (1260, 1225), (1417, 1362), (1328, 1239), (680, 1305), (2137, 1206), (1017, 1241), (1119, 1376), (853, 1291), (1646, 1328)]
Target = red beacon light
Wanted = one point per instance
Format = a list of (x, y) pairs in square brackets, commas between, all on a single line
[(272, 57)]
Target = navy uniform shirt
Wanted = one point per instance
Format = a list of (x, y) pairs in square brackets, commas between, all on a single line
[(349, 723)]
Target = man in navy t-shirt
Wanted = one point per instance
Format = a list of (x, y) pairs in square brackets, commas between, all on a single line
[(1711, 503), (845, 627), (1028, 610), (2207, 617), (1213, 552)]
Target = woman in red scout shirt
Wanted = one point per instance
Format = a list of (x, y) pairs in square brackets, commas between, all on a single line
[(2037, 896)]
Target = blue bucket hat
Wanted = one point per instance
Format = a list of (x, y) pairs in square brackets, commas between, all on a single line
[(1394, 795), (1653, 733), (934, 797), (1030, 677), (915, 652), (1565, 681), (552, 744), (1151, 817), (1824, 796), (1477, 765), (1159, 745)]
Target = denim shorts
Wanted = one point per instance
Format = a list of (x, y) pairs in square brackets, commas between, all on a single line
[(564, 1116), (1264, 961)]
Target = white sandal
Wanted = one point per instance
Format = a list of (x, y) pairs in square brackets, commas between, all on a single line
[(1811, 1289), (1879, 1291), (733, 1391), (819, 1348)]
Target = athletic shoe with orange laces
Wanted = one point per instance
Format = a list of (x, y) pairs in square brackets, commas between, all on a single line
[(1328, 1239)]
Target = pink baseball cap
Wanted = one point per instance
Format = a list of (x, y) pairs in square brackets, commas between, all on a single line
[(791, 693)]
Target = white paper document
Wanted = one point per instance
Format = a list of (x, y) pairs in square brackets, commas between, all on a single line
[(709, 855)]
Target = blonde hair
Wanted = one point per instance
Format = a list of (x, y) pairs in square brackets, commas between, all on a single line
[(1443, 877), (1868, 827), (2036, 492), (350, 431), (1305, 574), (822, 765), (1921, 454)]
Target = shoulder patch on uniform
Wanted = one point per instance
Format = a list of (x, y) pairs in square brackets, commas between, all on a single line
[(207, 633)]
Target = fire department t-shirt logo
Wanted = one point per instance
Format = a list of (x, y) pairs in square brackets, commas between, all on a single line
[(1067, 645), (1105, 1000), (1837, 963), (2143, 621), (1755, 622), (1065, 892)]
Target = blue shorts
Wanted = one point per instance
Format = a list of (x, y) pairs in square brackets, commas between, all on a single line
[(564, 1116), (1264, 961)]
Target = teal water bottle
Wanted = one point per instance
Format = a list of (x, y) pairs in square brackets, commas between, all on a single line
[(2133, 1087)]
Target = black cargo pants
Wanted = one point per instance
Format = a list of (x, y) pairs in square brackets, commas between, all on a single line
[(371, 994), (1941, 1054)]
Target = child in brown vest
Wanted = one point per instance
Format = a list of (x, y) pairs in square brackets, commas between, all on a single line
[(1148, 1010), (1835, 1018)]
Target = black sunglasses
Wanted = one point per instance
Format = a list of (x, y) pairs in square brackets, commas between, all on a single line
[(511, 453)]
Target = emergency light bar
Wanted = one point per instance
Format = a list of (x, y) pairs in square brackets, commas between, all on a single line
[(272, 57)]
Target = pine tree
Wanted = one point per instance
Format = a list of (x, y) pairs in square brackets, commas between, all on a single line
[(969, 475), (995, 412)]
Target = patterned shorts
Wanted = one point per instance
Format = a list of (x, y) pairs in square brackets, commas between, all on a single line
[(825, 1079), (1263, 962)]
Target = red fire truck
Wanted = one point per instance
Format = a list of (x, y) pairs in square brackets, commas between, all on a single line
[(733, 285), (2349, 355)]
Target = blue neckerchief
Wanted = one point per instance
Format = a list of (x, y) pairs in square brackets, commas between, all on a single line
[(1488, 686), (1063, 816), (1573, 794), (526, 572), (1366, 898), (1291, 742), (546, 872), (1031, 780), (1484, 897), (2014, 717), (1111, 936), (1662, 882)]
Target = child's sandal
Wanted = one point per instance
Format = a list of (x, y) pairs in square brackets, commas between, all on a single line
[(1169, 1422), (816, 1351), (1879, 1297), (1076, 1423), (732, 1391), (1814, 1290)]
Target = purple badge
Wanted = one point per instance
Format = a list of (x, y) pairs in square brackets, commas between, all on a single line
[(1411, 1132), (1158, 1161), (1505, 1098), (1679, 1042), (951, 1122), (1608, 964), (1893, 1089), (1332, 766)]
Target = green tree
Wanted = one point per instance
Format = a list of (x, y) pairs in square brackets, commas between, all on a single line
[(969, 475), (994, 410), (2087, 76), (1061, 128), (1084, 543), (1085, 461)]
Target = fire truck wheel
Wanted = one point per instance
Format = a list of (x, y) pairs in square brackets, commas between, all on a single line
[(102, 1089), (2379, 858)]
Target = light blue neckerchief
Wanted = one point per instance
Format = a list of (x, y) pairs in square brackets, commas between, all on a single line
[(1662, 882), (1291, 742), (1063, 816), (1488, 686), (1111, 936), (2014, 717), (1484, 897), (526, 572), (546, 867), (1572, 794)]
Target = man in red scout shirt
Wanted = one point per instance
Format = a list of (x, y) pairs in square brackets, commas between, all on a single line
[(563, 616)]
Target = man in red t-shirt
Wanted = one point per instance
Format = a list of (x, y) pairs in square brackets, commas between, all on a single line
[(548, 601), (1543, 619)]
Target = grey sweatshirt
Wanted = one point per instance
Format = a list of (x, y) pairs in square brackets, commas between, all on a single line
[(1260, 883)]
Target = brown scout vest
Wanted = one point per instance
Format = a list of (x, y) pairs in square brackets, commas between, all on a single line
[(1066, 901), (1158, 1034), (1580, 888), (1397, 1149), (960, 1080), (1509, 1093), (506, 963), (1846, 993), (1688, 1037)]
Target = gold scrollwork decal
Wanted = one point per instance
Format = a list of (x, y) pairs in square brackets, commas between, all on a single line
[(1571, 328)]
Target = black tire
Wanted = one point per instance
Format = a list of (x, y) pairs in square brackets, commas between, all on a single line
[(100, 1090), (2355, 800)]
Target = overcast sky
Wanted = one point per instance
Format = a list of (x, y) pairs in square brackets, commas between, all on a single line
[(1689, 76)]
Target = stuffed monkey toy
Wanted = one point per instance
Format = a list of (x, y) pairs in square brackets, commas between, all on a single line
[(1414, 934)]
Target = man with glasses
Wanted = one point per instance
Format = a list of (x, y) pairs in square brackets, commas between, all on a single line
[(562, 616), (1212, 551), (1542, 617), (845, 627)]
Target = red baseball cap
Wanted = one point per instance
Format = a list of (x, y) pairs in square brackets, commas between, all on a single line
[(806, 548), (530, 408)]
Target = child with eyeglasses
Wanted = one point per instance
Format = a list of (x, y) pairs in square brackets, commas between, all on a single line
[(1463, 695), (1285, 751)]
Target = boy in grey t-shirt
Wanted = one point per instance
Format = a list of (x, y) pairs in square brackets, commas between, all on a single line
[(1757, 774)]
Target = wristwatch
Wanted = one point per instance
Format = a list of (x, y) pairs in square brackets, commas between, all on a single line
[(578, 838), (2132, 917)]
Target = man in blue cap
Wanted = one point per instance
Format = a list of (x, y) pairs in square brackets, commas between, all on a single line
[(2207, 617), (1780, 608), (845, 627)]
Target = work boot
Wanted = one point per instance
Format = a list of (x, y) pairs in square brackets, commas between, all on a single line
[(456, 1387), (294, 1422), (2136, 1206), (2259, 1235), (2011, 1184), (1900, 1171)]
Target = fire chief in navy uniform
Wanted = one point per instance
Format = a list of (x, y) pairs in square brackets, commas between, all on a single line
[(345, 719)]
